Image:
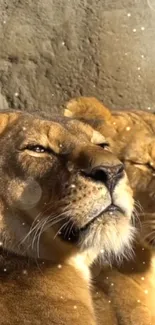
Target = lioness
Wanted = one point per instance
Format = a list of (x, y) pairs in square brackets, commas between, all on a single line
[(126, 293), (64, 198)]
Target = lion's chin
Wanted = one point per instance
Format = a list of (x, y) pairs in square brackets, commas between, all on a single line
[(109, 235), (110, 239)]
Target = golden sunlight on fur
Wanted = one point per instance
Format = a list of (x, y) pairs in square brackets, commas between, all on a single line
[(126, 293), (64, 199)]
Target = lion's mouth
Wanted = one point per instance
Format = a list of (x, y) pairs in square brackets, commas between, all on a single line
[(72, 233)]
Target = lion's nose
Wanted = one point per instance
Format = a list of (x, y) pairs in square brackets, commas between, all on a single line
[(109, 175)]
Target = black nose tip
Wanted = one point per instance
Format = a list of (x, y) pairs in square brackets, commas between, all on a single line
[(109, 175)]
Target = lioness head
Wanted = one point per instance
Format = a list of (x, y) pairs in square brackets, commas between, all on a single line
[(132, 138), (61, 190)]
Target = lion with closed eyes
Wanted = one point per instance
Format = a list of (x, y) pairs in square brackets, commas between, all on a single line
[(125, 294), (64, 199)]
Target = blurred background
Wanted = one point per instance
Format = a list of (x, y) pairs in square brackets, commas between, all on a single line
[(52, 50)]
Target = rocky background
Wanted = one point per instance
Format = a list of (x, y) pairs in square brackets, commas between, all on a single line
[(52, 50)]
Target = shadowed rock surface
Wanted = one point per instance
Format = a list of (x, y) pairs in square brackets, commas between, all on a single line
[(53, 50)]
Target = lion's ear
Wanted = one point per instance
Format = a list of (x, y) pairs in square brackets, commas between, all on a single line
[(98, 138), (6, 119), (88, 108)]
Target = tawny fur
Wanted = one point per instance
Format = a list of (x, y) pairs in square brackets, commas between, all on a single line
[(53, 219), (126, 294)]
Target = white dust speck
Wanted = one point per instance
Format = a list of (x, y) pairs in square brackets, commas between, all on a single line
[(24, 128), (134, 30), (75, 307), (107, 278), (63, 43), (112, 284), (142, 56), (5, 269), (128, 14), (144, 262), (73, 185), (59, 266), (109, 301), (138, 301), (138, 68), (149, 108), (128, 128), (25, 272), (1, 244), (142, 278), (146, 292), (102, 251), (16, 94), (142, 28)]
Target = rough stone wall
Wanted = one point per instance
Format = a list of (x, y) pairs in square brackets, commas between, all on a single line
[(52, 50)]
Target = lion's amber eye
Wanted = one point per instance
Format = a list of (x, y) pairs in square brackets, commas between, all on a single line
[(104, 145), (36, 148)]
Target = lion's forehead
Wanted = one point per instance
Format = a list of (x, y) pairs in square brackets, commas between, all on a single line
[(24, 126), (55, 130)]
